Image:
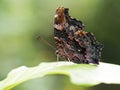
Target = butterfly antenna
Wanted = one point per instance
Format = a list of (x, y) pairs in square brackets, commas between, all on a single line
[(45, 41)]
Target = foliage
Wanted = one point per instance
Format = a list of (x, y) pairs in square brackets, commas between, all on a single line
[(80, 74)]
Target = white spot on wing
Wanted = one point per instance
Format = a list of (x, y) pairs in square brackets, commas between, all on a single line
[(72, 27), (58, 26), (56, 16)]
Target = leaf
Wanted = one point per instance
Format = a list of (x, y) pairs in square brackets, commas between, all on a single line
[(80, 74)]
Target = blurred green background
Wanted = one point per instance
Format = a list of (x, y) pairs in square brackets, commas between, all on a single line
[(22, 21)]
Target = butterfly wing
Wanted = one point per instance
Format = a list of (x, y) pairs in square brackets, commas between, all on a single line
[(72, 42)]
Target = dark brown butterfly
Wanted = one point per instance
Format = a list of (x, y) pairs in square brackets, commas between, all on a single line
[(73, 43)]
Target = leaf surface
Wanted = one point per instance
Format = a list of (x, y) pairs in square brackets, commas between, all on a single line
[(80, 74)]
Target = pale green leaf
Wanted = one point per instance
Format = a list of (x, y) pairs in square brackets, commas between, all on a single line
[(80, 74)]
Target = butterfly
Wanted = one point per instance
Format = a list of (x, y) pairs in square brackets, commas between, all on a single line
[(72, 41)]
